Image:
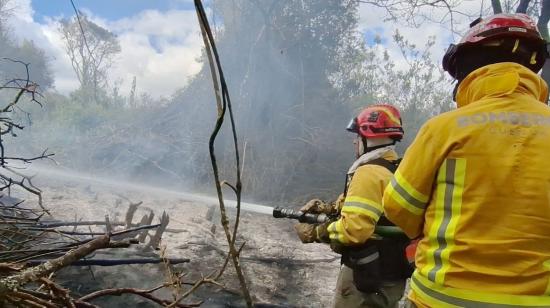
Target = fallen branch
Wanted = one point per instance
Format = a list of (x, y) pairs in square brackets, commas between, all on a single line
[(143, 293), (56, 224), (13, 282), (114, 262), (31, 300), (114, 234), (37, 252)]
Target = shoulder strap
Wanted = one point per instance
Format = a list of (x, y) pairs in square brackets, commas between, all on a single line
[(391, 165)]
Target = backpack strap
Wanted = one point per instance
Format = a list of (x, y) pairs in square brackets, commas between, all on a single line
[(391, 165)]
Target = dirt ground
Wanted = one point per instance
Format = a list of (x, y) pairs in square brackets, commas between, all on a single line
[(280, 270)]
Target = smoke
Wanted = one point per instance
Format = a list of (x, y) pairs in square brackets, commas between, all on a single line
[(297, 71)]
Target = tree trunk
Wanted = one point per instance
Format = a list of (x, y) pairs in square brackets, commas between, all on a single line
[(543, 19), (522, 6), (497, 7)]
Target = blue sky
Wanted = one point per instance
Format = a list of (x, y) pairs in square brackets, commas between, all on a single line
[(371, 36)]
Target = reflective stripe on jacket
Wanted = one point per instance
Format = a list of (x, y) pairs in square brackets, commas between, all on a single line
[(475, 185), (363, 204)]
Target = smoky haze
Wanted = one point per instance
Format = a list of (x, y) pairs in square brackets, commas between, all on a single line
[(297, 72)]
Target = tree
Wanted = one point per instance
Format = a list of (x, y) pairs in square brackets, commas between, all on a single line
[(419, 87), (91, 49), (413, 12), (282, 60), (297, 71), (25, 51)]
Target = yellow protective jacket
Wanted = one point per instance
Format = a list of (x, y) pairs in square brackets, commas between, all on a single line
[(363, 204), (475, 186)]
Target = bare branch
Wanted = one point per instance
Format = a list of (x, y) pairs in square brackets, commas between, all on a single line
[(34, 273), (544, 17), (497, 7), (223, 104), (143, 293), (523, 6)]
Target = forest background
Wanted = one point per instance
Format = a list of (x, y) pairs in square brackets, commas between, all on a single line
[(297, 71)]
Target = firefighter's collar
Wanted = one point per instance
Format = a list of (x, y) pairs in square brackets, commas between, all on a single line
[(369, 156), (498, 80)]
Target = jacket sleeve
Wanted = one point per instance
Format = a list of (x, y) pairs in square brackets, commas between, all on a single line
[(362, 206), (408, 193)]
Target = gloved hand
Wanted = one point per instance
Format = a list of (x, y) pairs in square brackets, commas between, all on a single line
[(309, 233), (339, 203), (306, 232), (316, 206)]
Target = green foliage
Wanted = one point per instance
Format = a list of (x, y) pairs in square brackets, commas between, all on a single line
[(414, 82)]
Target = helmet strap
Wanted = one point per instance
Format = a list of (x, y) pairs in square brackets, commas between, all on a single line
[(455, 90), (516, 45), (533, 59), (363, 148)]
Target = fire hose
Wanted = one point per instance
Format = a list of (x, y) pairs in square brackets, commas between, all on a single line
[(310, 218)]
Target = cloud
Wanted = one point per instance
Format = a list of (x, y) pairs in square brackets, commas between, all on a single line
[(159, 48)]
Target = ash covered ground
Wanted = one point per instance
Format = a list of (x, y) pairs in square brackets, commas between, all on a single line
[(280, 270)]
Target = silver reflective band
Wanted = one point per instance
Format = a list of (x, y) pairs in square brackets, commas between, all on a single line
[(366, 260), (459, 302), (365, 206), (404, 302), (405, 195), (447, 213)]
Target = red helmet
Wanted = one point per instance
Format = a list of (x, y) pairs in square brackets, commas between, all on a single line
[(518, 25), (378, 121)]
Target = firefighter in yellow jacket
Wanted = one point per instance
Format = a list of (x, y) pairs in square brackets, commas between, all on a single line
[(474, 186), (370, 276)]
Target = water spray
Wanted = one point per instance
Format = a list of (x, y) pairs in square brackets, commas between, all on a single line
[(57, 173)]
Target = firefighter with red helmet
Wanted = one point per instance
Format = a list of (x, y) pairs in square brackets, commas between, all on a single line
[(497, 39), (373, 271), (474, 185)]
